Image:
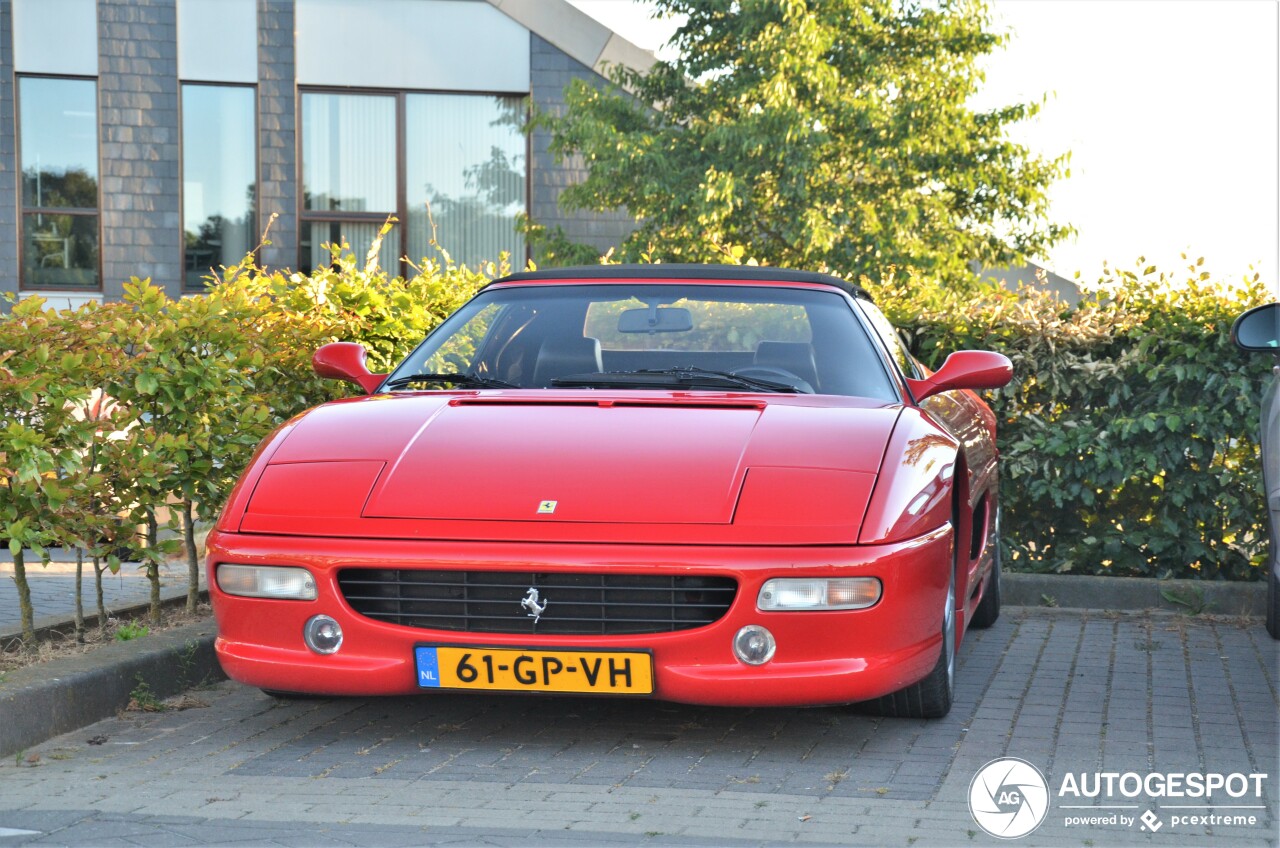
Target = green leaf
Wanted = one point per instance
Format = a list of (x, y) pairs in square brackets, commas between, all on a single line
[(146, 384)]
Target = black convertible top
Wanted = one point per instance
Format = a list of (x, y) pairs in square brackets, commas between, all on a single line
[(675, 271)]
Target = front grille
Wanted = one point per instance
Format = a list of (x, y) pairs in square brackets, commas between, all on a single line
[(576, 604)]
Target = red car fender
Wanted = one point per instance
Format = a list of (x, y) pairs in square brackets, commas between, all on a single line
[(913, 492)]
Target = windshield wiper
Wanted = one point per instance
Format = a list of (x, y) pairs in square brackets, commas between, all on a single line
[(681, 376), (469, 381)]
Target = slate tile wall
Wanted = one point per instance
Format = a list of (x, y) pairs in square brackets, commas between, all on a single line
[(138, 138), (551, 71), (140, 131), (277, 148)]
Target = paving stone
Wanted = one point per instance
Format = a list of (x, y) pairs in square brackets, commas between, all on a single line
[(512, 771)]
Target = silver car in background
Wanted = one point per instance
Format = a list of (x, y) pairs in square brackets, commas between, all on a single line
[(1258, 331)]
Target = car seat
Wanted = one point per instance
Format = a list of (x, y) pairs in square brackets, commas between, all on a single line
[(560, 356), (796, 357)]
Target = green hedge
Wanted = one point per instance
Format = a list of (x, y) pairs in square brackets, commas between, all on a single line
[(1129, 433), (190, 386)]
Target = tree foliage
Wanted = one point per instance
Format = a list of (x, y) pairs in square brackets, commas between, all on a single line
[(1129, 435), (820, 134)]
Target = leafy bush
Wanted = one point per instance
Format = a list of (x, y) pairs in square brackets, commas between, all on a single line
[(1129, 433), (113, 411)]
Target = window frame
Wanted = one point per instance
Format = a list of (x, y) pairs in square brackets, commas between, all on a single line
[(401, 212), (182, 170), (80, 211)]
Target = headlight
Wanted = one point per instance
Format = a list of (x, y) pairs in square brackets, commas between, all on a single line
[(267, 581), (818, 593)]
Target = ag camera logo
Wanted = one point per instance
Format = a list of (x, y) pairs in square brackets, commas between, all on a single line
[(1008, 798)]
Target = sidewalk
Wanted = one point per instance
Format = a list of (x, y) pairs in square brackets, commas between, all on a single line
[(53, 588)]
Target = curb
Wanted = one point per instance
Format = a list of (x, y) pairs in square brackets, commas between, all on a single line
[(49, 699), (1070, 591)]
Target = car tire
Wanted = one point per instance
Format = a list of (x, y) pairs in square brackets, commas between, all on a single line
[(1273, 605), (932, 696), (988, 611)]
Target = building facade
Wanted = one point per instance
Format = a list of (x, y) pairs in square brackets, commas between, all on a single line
[(157, 138)]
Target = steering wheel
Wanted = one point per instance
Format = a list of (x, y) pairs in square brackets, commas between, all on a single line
[(777, 375)]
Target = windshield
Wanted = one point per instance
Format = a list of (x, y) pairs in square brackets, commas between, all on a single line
[(651, 335)]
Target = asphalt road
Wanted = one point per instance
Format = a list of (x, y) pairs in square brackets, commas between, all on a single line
[(1074, 694)]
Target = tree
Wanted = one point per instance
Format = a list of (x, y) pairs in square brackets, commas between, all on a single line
[(819, 134), (42, 442)]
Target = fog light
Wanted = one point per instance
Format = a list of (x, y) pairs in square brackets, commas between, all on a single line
[(322, 634), (267, 581), (818, 593), (754, 645)]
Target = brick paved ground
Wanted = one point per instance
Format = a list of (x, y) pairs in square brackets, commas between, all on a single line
[(1068, 692), (53, 588)]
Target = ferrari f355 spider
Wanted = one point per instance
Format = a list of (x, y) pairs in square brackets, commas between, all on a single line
[(712, 485)]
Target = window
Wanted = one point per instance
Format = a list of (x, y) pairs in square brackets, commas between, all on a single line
[(724, 325), (466, 161), (603, 335), (58, 149), (369, 156), (348, 174), (892, 339), (219, 183), (232, 25), (55, 37)]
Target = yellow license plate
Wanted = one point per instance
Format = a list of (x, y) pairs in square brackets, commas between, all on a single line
[(518, 670)]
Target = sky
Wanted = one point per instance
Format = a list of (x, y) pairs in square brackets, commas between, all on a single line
[(1169, 111)]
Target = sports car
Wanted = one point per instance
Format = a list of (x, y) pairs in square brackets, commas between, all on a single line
[(715, 485)]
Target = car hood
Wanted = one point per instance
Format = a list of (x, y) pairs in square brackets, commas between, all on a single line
[(558, 465)]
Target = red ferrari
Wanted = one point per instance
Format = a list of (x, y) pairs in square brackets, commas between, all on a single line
[(708, 484)]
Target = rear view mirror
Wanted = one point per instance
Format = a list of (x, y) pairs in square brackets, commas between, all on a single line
[(1258, 329), (656, 319)]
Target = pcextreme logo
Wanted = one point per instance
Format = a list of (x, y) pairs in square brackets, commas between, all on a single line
[(1008, 798)]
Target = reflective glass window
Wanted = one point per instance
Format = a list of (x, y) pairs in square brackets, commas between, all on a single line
[(456, 158), (319, 238), (891, 337), (349, 176), (466, 161), (58, 139), (348, 152), (219, 182)]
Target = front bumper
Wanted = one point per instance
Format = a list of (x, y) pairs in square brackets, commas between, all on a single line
[(822, 657)]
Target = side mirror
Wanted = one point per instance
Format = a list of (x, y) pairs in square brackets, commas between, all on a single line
[(345, 361), (1258, 329), (965, 369)]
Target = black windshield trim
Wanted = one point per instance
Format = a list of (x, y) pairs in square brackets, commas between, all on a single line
[(678, 271)]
